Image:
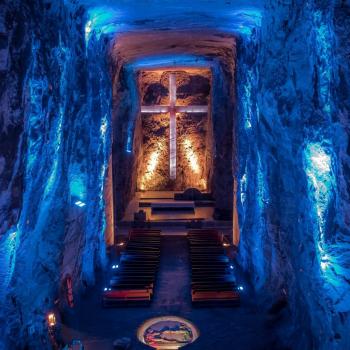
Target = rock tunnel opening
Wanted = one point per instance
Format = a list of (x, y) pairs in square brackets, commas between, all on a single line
[(142, 141), (204, 144)]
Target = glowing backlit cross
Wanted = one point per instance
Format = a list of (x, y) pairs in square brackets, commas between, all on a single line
[(173, 109)]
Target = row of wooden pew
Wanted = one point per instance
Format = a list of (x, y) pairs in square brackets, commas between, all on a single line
[(212, 279), (133, 279)]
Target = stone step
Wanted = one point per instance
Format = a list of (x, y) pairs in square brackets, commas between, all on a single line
[(173, 206)]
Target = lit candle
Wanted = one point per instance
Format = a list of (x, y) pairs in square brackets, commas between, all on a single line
[(51, 319)]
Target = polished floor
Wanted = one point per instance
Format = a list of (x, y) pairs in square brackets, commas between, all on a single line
[(239, 328)]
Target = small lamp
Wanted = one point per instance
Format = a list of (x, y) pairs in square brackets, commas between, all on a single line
[(51, 319)]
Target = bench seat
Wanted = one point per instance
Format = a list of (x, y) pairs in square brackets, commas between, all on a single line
[(217, 297), (113, 297)]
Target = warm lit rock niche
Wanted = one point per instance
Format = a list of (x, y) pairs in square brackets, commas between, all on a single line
[(193, 130)]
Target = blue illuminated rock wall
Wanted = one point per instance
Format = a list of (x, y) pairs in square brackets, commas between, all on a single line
[(55, 129), (293, 88), (13, 54)]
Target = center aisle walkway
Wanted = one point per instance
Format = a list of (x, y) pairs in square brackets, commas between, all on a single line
[(172, 293), (240, 328)]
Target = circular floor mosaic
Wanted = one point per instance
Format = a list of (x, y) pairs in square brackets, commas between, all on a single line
[(167, 332)]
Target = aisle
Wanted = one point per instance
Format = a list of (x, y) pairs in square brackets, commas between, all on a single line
[(244, 327), (172, 293)]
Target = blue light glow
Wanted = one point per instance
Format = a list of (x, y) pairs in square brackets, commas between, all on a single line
[(318, 167), (63, 56), (42, 169), (99, 133), (247, 100), (129, 140), (247, 80), (134, 107), (262, 186), (101, 20), (244, 21), (124, 16), (318, 170), (324, 265), (43, 130), (104, 126), (8, 245), (170, 60), (80, 204), (323, 43), (243, 188), (249, 106), (77, 184), (249, 17), (37, 87)]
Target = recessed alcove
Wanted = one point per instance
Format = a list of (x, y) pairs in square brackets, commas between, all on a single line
[(192, 131), (205, 141), (150, 152)]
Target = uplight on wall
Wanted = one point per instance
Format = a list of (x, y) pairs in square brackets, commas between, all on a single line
[(51, 319), (203, 183), (324, 265), (152, 164), (80, 204), (191, 156), (318, 160)]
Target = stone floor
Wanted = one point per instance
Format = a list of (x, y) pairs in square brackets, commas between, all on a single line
[(239, 328)]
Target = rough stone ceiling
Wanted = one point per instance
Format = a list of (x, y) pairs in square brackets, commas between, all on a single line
[(232, 16), (175, 48), (172, 32)]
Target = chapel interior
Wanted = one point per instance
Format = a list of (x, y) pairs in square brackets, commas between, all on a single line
[(174, 174)]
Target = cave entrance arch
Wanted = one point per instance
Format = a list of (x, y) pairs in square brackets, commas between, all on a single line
[(137, 137)]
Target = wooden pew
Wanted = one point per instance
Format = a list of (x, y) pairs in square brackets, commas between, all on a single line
[(114, 297), (227, 297), (212, 279), (133, 280)]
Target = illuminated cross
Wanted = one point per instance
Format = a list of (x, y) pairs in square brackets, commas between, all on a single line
[(173, 109)]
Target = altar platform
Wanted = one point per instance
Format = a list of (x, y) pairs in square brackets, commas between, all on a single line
[(160, 207)]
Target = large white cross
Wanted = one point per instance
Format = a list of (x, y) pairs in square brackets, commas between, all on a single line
[(173, 109)]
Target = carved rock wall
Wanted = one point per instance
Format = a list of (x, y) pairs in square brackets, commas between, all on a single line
[(54, 153), (293, 195)]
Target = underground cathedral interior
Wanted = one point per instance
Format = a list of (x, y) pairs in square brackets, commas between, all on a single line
[(175, 174)]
